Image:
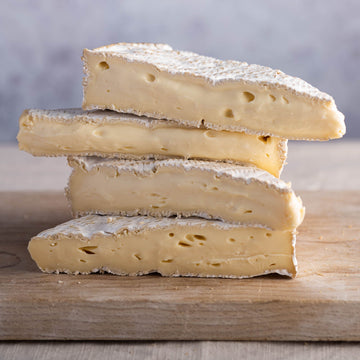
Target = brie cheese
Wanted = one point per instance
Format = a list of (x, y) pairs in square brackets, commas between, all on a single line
[(110, 134), (233, 193), (171, 247), (157, 81)]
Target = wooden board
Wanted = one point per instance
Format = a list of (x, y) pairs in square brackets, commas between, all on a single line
[(322, 303)]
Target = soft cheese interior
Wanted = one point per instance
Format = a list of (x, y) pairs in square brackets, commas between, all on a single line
[(159, 82), (77, 132), (172, 247), (233, 193)]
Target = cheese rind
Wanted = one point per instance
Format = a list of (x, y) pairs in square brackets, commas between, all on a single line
[(233, 193), (157, 81), (171, 247), (106, 133)]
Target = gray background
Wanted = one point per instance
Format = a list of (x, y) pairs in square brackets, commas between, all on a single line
[(41, 43)]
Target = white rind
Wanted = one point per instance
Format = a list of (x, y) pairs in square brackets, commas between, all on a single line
[(212, 70), (162, 214), (100, 117), (90, 225), (246, 174)]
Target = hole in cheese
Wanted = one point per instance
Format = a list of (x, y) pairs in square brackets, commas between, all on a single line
[(183, 243), (248, 96), (137, 256), (285, 100), (103, 65), (229, 113), (167, 260), (272, 97), (192, 237), (171, 234), (268, 234), (82, 260), (200, 237), (88, 249), (150, 77), (215, 264), (264, 139), (232, 240), (248, 212)]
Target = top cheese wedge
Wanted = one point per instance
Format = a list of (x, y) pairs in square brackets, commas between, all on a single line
[(110, 134), (157, 81)]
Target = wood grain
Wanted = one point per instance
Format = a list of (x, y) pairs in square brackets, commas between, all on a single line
[(177, 350), (322, 303)]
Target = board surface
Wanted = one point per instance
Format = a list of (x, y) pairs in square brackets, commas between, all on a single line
[(322, 303)]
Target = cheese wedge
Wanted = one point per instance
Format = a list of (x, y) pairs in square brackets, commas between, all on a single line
[(233, 193), (157, 81), (107, 133), (171, 247)]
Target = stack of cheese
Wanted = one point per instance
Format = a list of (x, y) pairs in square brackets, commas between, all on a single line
[(182, 177)]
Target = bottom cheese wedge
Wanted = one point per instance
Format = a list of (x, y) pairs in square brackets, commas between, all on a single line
[(172, 247)]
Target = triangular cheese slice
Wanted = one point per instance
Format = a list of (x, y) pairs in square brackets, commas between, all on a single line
[(233, 193), (110, 134), (171, 247), (157, 81)]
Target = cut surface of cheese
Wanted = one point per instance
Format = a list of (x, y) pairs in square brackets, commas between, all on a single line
[(107, 133), (233, 193), (157, 81), (171, 247)]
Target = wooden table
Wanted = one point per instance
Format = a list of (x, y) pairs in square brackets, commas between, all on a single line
[(312, 166)]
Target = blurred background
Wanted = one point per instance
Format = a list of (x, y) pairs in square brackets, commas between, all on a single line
[(41, 42)]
